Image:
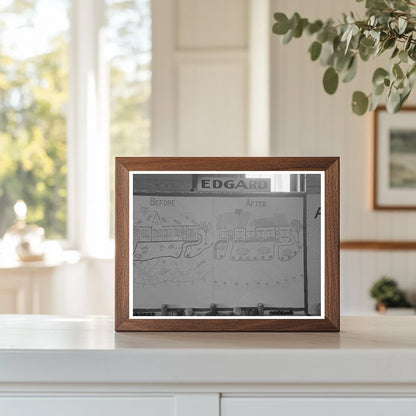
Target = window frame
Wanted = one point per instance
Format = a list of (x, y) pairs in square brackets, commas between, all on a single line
[(88, 136), (88, 133)]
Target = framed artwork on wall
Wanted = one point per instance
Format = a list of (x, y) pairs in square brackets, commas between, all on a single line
[(227, 244), (394, 178)]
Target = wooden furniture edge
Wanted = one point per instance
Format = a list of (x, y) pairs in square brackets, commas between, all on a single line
[(121, 304), (228, 325), (377, 245), (331, 322), (332, 243)]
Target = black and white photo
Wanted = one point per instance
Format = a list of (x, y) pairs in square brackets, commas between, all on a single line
[(226, 244)]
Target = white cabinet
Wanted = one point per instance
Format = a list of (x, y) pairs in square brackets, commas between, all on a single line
[(53, 365), (268, 406), (88, 406)]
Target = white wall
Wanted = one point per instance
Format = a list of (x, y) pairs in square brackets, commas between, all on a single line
[(215, 72), (308, 122), (200, 77), (211, 92)]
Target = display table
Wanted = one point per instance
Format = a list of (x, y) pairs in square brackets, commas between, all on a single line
[(51, 364), (31, 287)]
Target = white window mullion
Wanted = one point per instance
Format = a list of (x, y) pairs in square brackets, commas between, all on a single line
[(88, 135), (259, 78), (164, 100)]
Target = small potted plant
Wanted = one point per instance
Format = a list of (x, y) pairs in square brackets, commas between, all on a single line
[(387, 294)]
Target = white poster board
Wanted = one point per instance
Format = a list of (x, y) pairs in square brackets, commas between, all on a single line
[(230, 250)]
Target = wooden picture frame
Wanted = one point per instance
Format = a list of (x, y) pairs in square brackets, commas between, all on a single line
[(175, 214), (394, 145)]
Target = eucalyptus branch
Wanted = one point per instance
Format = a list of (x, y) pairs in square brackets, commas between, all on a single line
[(389, 25)]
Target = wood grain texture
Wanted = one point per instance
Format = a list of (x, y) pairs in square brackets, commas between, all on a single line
[(332, 219), (378, 245), (121, 244), (329, 165), (376, 204)]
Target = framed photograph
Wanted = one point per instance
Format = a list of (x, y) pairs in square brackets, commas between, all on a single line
[(227, 244), (394, 159)]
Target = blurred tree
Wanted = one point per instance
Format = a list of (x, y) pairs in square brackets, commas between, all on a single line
[(33, 96), (129, 36), (34, 99)]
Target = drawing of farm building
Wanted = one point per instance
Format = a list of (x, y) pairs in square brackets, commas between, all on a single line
[(232, 225), (242, 226), (151, 227)]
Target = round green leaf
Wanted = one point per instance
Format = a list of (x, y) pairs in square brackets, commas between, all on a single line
[(393, 101), (367, 42), (359, 103), (322, 36), (288, 37), (404, 96), (395, 52), (315, 50), (282, 25), (314, 27), (330, 80), (378, 90), (397, 71), (389, 43), (403, 56), (379, 75), (376, 4), (351, 71), (412, 70), (408, 42), (374, 102), (294, 20), (366, 53), (327, 54), (298, 30), (412, 52), (342, 61)]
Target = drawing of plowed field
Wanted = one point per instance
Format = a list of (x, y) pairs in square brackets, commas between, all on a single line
[(148, 251), (181, 236), (243, 237), (252, 250)]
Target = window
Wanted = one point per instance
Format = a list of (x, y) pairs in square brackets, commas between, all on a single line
[(239, 234), (129, 45), (75, 87), (278, 183), (33, 102)]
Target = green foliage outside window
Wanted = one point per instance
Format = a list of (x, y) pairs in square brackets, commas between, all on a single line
[(129, 40), (34, 103), (33, 99)]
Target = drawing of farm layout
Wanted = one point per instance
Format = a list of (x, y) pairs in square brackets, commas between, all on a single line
[(179, 236), (217, 247), (241, 237)]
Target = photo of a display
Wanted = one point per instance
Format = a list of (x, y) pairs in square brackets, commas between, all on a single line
[(225, 245)]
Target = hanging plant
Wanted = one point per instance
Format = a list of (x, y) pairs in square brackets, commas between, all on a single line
[(389, 27)]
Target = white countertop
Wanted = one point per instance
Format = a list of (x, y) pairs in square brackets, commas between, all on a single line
[(53, 349)]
